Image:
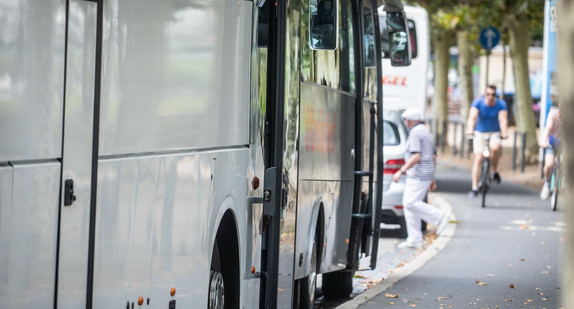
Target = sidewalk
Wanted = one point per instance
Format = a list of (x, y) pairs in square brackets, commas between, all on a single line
[(395, 264)]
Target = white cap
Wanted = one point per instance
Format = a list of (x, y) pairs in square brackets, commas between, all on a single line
[(412, 114)]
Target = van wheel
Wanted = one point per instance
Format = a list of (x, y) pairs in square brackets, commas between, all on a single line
[(216, 284)]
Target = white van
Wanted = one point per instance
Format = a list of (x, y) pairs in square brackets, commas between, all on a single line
[(405, 87)]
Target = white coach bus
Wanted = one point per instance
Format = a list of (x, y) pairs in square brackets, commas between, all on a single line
[(405, 87), (188, 154)]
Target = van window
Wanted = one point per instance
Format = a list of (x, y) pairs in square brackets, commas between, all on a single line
[(385, 44), (323, 24)]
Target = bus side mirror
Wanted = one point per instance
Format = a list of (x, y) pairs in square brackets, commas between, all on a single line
[(400, 47)]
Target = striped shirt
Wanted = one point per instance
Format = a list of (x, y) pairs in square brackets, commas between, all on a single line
[(420, 140)]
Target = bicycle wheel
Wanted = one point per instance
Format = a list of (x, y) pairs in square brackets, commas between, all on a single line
[(484, 177), (555, 186)]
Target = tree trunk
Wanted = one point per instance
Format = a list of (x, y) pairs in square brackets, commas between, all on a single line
[(441, 45), (566, 93), (518, 27), (465, 62)]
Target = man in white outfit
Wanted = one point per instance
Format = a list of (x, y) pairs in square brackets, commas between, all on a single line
[(419, 169)]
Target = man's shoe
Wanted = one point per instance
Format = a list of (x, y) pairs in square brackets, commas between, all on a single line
[(443, 223), (545, 193), (496, 178), (473, 193), (409, 244)]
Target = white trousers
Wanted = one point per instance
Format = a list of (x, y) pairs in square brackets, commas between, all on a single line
[(416, 210)]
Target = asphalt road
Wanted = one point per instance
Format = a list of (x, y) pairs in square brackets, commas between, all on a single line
[(503, 256)]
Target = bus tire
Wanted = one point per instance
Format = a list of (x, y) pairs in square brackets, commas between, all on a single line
[(308, 285), (224, 280), (338, 284), (216, 298)]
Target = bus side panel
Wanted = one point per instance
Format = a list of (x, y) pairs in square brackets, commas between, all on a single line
[(5, 227), (174, 76), (327, 134), (336, 199), (122, 261), (156, 223), (28, 234), (31, 79), (326, 173)]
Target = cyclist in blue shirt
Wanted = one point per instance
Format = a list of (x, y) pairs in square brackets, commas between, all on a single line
[(487, 117)]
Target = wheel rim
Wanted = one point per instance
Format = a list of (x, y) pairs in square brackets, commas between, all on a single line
[(216, 291), (312, 277)]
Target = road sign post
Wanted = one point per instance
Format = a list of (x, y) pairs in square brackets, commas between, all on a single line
[(489, 38)]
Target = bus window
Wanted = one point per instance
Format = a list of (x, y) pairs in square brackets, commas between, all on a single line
[(262, 23), (385, 45), (323, 24), (346, 60)]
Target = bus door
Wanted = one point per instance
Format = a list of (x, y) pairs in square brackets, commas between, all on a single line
[(367, 196), (79, 155)]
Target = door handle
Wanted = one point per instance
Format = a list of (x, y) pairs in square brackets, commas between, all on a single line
[(69, 196)]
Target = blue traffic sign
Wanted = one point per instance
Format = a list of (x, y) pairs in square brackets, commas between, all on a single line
[(489, 37)]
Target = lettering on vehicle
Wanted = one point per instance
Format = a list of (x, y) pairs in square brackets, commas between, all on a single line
[(395, 80)]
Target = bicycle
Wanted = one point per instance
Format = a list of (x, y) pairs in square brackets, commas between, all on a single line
[(485, 178), (556, 180)]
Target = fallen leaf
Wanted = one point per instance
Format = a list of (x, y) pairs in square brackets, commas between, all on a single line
[(545, 298), (522, 260), (391, 295), (441, 298), (540, 293), (509, 299), (512, 286), (481, 283), (412, 305), (391, 303), (524, 226)]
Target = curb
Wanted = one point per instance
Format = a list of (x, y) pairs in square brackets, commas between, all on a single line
[(439, 244)]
